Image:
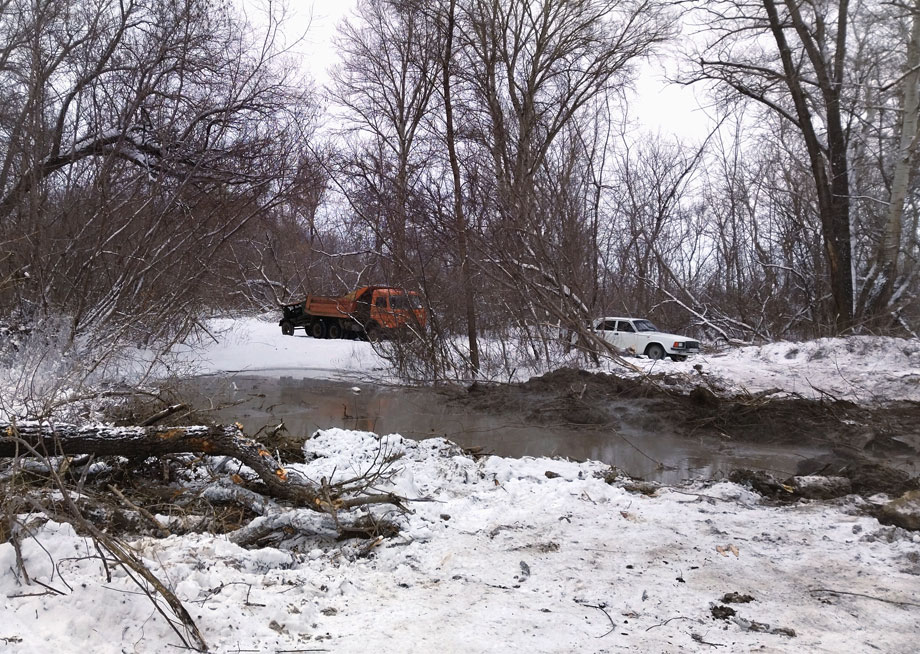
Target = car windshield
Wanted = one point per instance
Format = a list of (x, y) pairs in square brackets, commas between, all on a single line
[(645, 326), (405, 302)]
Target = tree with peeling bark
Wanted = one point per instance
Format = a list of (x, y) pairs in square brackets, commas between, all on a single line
[(791, 58)]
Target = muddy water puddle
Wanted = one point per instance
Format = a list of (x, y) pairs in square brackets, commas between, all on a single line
[(642, 449)]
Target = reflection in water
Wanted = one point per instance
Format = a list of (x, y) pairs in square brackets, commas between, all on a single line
[(306, 405)]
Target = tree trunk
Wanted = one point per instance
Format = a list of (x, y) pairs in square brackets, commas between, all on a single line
[(880, 288), (459, 217), (831, 177), (34, 439)]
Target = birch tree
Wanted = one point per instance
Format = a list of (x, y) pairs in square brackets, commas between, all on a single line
[(891, 129), (791, 58)]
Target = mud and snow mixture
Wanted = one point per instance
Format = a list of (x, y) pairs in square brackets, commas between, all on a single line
[(862, 369), (508, 555)]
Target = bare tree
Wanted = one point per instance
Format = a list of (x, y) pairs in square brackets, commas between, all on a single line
[(141, 143), (535, 75), (385, 85), (139, 139), (534, 66), (448, 70), (833, 73)]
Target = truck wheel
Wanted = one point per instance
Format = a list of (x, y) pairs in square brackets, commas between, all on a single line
[(334, 330), (373, 332), (287, 328), (318, 329), (655, 351)]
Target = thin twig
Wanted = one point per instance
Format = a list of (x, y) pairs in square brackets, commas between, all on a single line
[(872, 597), (50, 588), (599, 607), (144, 512), (165, 413), (677, 617)]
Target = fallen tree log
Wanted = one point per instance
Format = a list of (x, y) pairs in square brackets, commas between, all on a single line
[(51, 440)]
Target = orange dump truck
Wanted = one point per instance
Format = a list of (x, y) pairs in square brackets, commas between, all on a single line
[(369, 312)]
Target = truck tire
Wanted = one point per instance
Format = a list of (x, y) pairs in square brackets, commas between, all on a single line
[(372, 332), (318, 329), (334, 330), (654, 351), (287, 328)]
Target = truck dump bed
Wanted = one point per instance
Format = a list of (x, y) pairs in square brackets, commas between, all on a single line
[(332, 307)]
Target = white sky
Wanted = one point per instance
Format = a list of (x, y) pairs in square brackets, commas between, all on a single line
[(656, 106), (318, 19)]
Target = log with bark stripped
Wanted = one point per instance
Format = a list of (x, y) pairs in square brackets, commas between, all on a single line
[(49, 440)]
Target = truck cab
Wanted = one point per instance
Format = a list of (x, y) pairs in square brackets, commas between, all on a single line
[(391, 308)]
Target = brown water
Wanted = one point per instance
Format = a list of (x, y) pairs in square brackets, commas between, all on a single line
[(306, 405)]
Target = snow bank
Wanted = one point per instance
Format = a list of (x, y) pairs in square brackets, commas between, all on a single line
[(860, 368), (256, 345), (498, 557)]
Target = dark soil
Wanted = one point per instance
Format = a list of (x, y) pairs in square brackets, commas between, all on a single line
[(861, 441), (720, 612)]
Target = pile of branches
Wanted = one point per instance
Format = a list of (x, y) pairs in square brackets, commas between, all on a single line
[(105, 480)]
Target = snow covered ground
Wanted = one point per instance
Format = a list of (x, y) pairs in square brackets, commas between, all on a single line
[(256, 345), (503, 557), (863, 369)]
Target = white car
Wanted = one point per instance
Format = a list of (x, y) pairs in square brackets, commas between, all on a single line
[(642, 337)]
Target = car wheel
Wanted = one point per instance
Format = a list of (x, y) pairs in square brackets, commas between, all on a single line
[(655, 351), (678, 357), (318, 329), (334, 330), (287, 328)]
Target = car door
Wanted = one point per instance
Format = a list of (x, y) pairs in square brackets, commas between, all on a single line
[(608, 330), (627, 338)]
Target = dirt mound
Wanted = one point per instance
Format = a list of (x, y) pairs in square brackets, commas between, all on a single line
[(866, 476), (590, 384)]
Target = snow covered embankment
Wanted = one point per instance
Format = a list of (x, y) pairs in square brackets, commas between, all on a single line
[(861, 369), (501, 557)]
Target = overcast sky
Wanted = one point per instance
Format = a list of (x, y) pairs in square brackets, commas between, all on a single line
[(656, 105)]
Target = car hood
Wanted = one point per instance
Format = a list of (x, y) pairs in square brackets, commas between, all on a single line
[(666, 337)]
